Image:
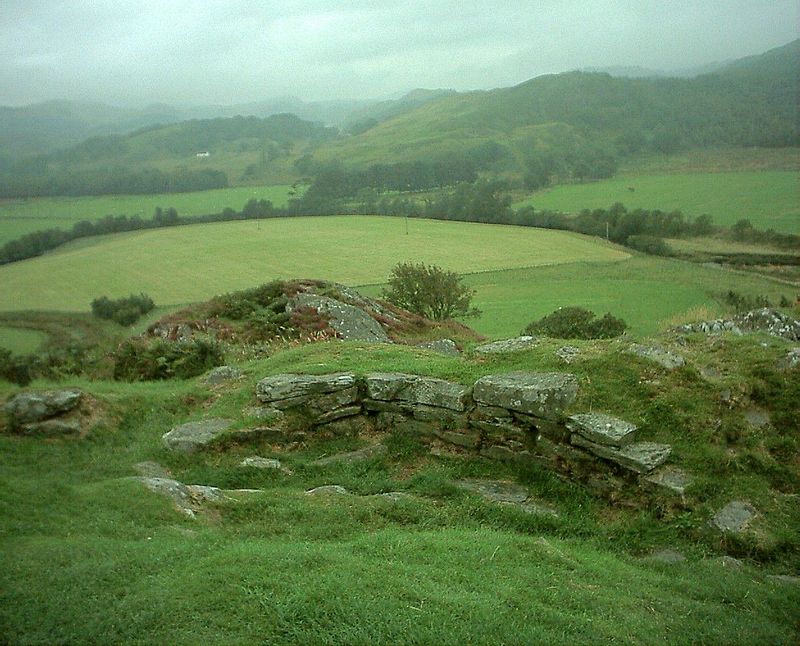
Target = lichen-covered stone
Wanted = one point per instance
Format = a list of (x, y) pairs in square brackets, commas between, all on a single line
[(257, 462), (351, 323), (670, 479), (397, 386), (659, 355), (641, 457), (447, 347), (602, 428), (541, 394), (52, 427), (337, 413), (328, 490), (466, 439), (293, 386), (222, 374), (733, 517), (35, 406), (516, 344), (193, 436)]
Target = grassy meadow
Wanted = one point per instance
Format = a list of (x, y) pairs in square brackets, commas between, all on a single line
[(769, 199), (21, 341), (18, 217), (185, 264)]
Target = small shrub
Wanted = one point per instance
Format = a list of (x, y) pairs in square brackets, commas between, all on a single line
[(650, 245), (135, 360), (429, 291), (742, 303), (125, 311), (577, 323)]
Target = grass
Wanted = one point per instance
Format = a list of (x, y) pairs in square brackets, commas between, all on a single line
[(18, 217), (21, 341), (89, 556), (769, 199), (166, 263)]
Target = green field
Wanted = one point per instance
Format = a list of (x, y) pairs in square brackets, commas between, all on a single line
[(186, 264), (18, 217), (769, 199), (21, 341)]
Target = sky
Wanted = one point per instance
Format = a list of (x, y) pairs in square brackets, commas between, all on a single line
[(196, 52)]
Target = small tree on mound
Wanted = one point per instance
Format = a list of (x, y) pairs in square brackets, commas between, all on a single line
[(429, 291), (577, 323)]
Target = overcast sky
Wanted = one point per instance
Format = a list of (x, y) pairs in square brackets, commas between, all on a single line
[(231, 51)]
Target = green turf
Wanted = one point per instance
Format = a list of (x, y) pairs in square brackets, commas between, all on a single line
[(769, 199), (186, 264), (21, 341), (18, 217)]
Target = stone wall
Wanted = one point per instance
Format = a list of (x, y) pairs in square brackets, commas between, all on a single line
[(515, 417)]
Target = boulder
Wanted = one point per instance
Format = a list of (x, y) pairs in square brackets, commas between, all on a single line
[(733, 517), (52, 427), (516, 344), (542, 394), (36, 406), (295, 387), (193, 436), (641, 457), (222, 374), (602, 428), (659, 355), (351, 323), (400, 387)]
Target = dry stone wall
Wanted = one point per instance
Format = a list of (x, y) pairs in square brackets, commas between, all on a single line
[(517, 417)]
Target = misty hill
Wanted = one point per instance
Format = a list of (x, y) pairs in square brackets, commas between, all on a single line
[(751, 102)]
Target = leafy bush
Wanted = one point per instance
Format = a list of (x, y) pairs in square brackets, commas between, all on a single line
[(14, 368), (135, 360), (429, 291), (649, 244), (125, 311), (577, 323), (742, 303)]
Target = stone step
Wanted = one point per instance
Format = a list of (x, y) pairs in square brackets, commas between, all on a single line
[(541, 394), (602, 429), (641, 457)]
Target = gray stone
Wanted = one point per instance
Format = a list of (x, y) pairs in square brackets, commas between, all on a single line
[(733, 517), (257, 462), (52, 427), (328, 490), (791, 360), (568, 353), (730, 562), (516, 344), (35, 406), (367, 453), (222, 374), (671, 479), (336, 414), (491, 414), (466, 439), (784, 579), (187, 498), (266, 414), (442, 346), (292, 386), (351, 323), (602, 428), (442, 416), (502, 453), (542, 394), (395, 496), (152, 470), (757, 417), (641, 457), (659, 355), (388, 422), (194, 436), (396, 386)]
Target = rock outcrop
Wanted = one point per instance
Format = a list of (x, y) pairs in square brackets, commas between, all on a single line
[(46, 412), (516, 344), (194, 436), (350, 322)]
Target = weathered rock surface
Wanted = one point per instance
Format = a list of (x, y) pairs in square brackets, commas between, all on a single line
[(257, 462), (294, 386), (542, 394), (36, 406), (328, 490), (52, 427), (767, 320), (757, 417), (442, 346), (193, 436), (734, 517), (568, 353), (367, 453), (641, 457), (187, 498), (351, 323), (671, 479), (659, 355), (508, 345), (602, 428), (222, 374), (506, 493), (791, 360), (401, 387)]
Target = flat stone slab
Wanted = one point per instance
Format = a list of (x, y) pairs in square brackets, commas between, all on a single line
[(328, 490), (670, 478), (187, 498), (367, 453), (734, 517), (516, 344), (294, 386), (602, 428), (443, 346), (398, 386), (641, 457), (351, 323), (194, 436), (36, 406), (495, 490), (659, 355), (257, 462), (542, 394)]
